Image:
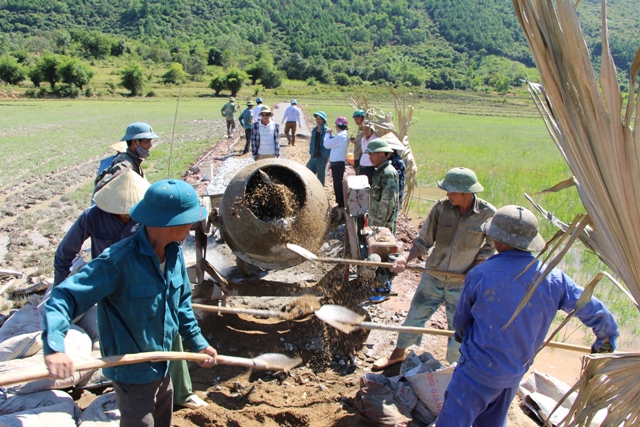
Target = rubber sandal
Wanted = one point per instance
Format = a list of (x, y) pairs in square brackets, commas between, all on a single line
[(378, 299), (385, 362)]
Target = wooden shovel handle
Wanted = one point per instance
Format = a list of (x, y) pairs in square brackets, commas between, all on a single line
[(446, 333), (232, 310), (389, 265), (127, 359)]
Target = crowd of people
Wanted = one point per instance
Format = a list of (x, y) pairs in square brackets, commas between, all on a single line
[(480, 262)]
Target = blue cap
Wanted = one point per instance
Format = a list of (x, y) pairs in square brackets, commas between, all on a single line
[(258, 100), (359, 113), (320, 114), (294, 102), (138, 130), (169, 203)]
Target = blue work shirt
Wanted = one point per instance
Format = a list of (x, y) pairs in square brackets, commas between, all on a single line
[(491, 294), (140, 307), (103, 228), (246, 118)]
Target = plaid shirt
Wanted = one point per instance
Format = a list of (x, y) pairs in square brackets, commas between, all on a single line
[(255, 138)]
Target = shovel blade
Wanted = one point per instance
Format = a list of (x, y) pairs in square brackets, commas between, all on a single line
[(340, 317), (277, 362)]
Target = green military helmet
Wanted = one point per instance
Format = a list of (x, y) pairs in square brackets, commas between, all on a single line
[(515, 226), (359, 113), (378, 146), (461, 180)]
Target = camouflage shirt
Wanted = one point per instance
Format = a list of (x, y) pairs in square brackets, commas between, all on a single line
[(126, 160), (383, 205), (457, 240)]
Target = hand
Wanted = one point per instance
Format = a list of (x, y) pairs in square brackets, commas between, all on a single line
[(400, 265), (605, 348), (211, 361), (59, 365)]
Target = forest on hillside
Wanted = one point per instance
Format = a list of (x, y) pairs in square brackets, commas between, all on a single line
[(438, 44)]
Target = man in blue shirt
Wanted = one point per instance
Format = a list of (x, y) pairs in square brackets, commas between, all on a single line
[(246, 119), (142, 290), (494, 356)]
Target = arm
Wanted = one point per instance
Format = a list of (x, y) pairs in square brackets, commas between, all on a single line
[(69, 247), (298, 115), (463, 319), (255, 139), (284, 116), (241, 118), (334, 142), (593, 314)]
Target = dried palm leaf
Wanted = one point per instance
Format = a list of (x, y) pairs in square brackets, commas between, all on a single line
[(602, 149)]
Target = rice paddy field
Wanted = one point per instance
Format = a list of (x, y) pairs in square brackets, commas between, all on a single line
[(501, 138)]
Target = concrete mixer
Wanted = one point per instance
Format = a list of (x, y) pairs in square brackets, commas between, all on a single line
[(266, 205)]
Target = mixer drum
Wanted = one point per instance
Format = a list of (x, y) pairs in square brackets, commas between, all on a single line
[(268, 204)]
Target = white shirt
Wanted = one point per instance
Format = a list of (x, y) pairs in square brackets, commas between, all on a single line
[(338, 145), (256, 112), (364, 160), (292, 114), (266, 138)]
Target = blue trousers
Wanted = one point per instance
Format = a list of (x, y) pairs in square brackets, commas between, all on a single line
[(431, 293), (469, 403), (318, 166)]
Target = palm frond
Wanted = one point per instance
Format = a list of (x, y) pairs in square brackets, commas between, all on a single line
[(584, 118)]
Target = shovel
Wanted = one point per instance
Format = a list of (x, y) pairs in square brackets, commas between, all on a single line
[(312, 257), (268, 361), (347, 321), (249, 311)]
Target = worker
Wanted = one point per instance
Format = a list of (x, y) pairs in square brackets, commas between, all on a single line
[(227, 111), (105, 223), (257, 109), (496, 354), (368, 135), (246, 120), (452, 239), (265, 142), (358, 118), (319, 155), (338, 145), (291, 118), (138, 137), (142, 290), (383, 199)]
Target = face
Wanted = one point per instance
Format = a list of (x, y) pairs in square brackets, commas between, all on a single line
[(264, 118), (358, 120), (144, 143), (367, 131), (319, 121), (459, 199), (377, 159), (180, 232)]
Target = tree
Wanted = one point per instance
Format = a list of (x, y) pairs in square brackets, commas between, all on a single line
[(272, 79), (175, 75), (341, 79), (73, 71), (133, 78), (218, 83), (295, 66), (46, 70), (235, 79), (11, 71), (195, 66)]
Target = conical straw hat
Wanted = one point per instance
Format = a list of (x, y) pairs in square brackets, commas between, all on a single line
[(121, 193), (120, 146)]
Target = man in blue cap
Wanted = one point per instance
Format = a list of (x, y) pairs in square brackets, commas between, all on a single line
[(138, 137), (257, 109), (142, 290)]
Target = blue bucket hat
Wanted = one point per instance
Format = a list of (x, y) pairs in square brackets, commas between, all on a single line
[(169, 203), (138, 130), (320, 114)]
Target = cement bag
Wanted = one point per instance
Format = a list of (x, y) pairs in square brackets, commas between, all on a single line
[(89, 322), (78, 348), (21, 402), (377, 401), (24, 321), (20, 346), (44, 409), (430, 387), (103, 412)]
